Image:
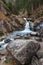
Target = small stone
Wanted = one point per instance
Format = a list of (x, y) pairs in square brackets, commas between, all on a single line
[(35, 61), (40, 54), (7, 40), (38, 39)]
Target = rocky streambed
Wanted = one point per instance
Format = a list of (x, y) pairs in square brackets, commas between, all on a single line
[(24, 46), (24, 52)]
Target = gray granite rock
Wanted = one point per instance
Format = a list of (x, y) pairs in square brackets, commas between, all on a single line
[(41, 60), (35, 61), (40, 54), (23, 50)]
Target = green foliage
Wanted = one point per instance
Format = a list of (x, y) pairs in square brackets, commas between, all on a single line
[(19, 5), (1, 33), (8, 3)]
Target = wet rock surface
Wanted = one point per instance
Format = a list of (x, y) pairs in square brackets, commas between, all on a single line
[(27, 36), (7, 40), (41, 60), (39, 26)]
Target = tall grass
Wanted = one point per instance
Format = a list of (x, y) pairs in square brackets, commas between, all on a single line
[(19, 5)]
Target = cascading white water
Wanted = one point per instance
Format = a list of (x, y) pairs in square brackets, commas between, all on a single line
[(27, 27), (27, 24), (15, 33)]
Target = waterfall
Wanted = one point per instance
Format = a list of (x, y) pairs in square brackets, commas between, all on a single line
[(15, 33), (27, 24)]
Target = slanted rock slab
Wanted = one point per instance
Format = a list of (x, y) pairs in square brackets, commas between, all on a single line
[(23, 50)]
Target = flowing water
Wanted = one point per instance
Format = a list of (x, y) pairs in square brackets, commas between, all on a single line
[(39, 26), (20, 33), (23, 32), (15, 33)]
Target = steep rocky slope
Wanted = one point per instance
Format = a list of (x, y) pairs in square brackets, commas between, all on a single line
[(11, 23), (38, 12), (37, 17)]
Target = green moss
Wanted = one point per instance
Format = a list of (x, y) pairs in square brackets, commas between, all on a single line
[(1, 33), (6, 61)]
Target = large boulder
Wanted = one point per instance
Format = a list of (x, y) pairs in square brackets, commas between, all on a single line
[(23, 50)]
